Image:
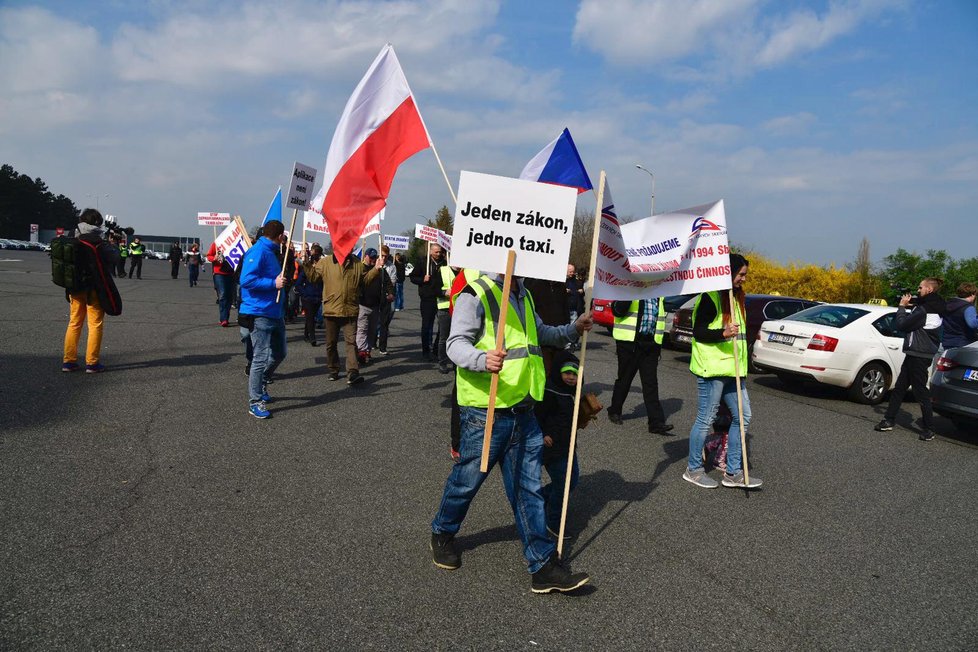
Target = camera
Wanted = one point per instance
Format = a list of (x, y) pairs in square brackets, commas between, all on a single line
[(112, 228)]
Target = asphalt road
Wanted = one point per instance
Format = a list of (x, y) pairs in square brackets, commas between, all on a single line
[(144, 508)]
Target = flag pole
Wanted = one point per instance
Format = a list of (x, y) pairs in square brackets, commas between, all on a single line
[(740, 398), (434, 150), (285, 256), (500, 342), (588, 290)]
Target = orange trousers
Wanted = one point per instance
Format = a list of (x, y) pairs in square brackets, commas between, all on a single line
[(84, 304)]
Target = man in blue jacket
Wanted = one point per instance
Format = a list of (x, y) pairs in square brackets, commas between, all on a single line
[(262, 312)]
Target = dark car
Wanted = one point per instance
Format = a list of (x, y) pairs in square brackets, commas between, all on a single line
[(604, 316), (954, 387), (760, 307)]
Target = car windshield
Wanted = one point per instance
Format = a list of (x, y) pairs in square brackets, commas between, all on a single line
[(836, 316), (672, 304)]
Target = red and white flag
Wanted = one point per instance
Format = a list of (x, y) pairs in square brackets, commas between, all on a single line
[(380, 128)]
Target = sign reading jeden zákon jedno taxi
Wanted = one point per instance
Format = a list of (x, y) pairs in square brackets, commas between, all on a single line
[(497, 214), (213, 219)]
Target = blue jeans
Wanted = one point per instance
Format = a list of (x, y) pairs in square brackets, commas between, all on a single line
[(553, 493), (399, 295), (516, 445), (710, 392), (268, 342), (194, 274), (225, 293)]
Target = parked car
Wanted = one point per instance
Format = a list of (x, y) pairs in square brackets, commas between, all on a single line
[(604, 316), (954, 386), (760, 307), (846, 345)]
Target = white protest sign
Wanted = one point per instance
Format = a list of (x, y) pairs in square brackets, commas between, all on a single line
[(426, 233), (233, 243), (313, 220), (444, 240), (682, 252), (213, 219), (496, 214), (373, 226), (303, 178), (399, 242)]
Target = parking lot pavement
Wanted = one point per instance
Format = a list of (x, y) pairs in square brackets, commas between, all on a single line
[(145, 508)]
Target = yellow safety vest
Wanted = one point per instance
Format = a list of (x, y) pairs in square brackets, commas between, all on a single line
[(626, 327), (447, 278), (716, 359), (523, 372)]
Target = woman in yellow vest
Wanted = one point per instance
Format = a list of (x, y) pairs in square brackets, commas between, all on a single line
[(716, 325), (517, 442)]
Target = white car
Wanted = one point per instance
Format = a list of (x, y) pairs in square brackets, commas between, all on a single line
[(854, 346)]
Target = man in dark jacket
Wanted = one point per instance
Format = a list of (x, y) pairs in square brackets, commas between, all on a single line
[(430, 291), (376, 293), (550, 301), (921, 327), (90, 303), (960, 326), (310, 296), (176, 255)]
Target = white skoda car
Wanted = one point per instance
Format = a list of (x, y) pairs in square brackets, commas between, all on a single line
[(854, 346)]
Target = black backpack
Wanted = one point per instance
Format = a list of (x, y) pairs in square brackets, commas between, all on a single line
[(71, 265)]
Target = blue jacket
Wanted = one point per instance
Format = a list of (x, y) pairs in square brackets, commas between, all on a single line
[(259, 270), (307, 289)]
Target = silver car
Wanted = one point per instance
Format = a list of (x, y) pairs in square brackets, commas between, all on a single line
[(954, 386)]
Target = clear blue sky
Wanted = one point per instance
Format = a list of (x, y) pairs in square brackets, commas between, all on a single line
[(818, 122)]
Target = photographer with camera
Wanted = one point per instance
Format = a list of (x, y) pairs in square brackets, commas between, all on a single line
[(922, 335)]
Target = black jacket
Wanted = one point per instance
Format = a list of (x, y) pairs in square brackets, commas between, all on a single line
[(555, 413), (431, 290), (922, 325), (957, 332)]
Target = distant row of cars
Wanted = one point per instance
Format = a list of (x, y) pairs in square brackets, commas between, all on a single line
[(852, 346), (23, 245)]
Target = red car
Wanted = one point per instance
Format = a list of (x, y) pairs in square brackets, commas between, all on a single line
[(604, 316)]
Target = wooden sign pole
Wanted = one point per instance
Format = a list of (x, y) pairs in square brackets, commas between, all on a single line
[(588, 289), (285, 256), (740, 399), (500, 342)]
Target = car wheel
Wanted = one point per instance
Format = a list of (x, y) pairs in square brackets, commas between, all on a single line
[(871, 384)]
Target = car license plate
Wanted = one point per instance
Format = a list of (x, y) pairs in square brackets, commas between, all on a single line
[(686, 339), (971, 374), (781, 338)]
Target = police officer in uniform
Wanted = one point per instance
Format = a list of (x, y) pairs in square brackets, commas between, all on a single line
[(516, 441), (638, 330)]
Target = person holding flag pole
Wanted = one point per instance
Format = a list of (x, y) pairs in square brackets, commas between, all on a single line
[(495, 343), (719, 359)]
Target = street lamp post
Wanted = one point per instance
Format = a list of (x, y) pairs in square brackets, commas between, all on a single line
[(96, 197), (644, 169)]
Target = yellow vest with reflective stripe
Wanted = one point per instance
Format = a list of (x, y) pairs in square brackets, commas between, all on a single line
[(447, 278), (522, 371), (715, 359), (626, 327)]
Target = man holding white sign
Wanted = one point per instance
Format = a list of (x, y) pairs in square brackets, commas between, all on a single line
[(516, 441)]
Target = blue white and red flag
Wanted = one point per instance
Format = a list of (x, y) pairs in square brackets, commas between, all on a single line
[(560, 164)]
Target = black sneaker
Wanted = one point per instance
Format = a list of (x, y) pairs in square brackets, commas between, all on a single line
[(614, 418), (884, 426), (443, 551), (554, 576), (333, 376), (444, 368), (662, 429), (354, 378), (926, 435)]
